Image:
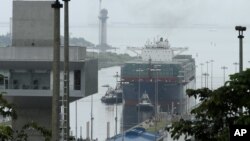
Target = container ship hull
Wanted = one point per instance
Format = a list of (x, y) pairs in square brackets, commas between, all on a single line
[(169, 94), (171, 99)]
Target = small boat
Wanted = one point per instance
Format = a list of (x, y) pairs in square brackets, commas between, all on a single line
[(145, 103), (112, 95)]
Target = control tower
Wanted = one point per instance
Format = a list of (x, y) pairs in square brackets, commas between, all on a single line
[(103, 27), (103, 45)]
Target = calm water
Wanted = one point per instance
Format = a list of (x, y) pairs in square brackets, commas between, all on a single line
[(102, 113)]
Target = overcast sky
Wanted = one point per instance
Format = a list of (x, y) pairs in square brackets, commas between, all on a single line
[(168, 12)]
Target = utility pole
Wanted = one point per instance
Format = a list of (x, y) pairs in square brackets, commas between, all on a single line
[(116, 106), (206, 77), (207, 74), (224, 73), (156, 96), (76, 117), (100, 6), (139, 92), (56, 72), (240, 36), (211, 61), (92, 119), (201, 74), (236, 65), (66, 124)]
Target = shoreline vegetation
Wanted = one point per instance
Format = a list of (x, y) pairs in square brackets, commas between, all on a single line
[(109, 59), (105, 59)]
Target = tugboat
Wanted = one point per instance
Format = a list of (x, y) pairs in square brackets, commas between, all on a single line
[(112, 95), (145, 103)]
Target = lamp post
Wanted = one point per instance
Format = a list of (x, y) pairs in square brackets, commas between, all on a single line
[(139, 92), (240, 29), (92, 118), (224, 73), (206, 77), (76, 117), (201, 74), (56, 72), (236, 65), (122, 84), (116, 105), (196, 66), (182, 105), (156, 95), (207, 74), (211, 61), (66, 70)]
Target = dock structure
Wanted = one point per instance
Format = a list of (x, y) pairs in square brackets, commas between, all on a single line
[(27, 67)]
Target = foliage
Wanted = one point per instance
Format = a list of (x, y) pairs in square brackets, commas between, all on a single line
[(74, 41), (22, 135), (218, 110), (6, 109), (5, 40), (7, 133), (108, 59)]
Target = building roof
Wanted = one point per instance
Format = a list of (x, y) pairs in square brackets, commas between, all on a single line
[(136, 134)]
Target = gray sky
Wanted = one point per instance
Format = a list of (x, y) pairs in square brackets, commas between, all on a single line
[(210, 15), (168, 12)]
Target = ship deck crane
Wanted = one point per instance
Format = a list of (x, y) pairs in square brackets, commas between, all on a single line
[(135, 50)]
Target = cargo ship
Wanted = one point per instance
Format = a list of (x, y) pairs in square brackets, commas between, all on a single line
[(163, 73)]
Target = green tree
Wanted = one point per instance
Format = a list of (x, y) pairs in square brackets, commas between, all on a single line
[(217, 111), (7, 133)]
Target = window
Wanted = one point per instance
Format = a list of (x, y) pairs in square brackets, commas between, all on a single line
[(77, 80), (1, 79)]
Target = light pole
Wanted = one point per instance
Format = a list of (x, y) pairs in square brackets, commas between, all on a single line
[(207, 74), (156, 96), (56, 72), (76, 117), (196, 66), (236, 66), (139, 92), (201, 74), (182, 105), (116, 105), (224, 73), (66, 70), (240, 29), (92, 118), (206, 77), (122, 84), (211, 61)]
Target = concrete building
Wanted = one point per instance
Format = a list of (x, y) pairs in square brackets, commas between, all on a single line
[(27, 66)]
